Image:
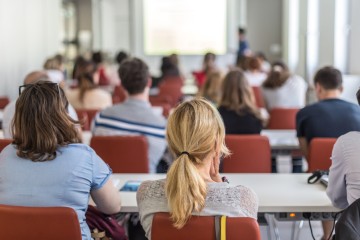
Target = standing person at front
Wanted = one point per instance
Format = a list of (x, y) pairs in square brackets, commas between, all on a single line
[(135, 116), (46, 165), (193, 185), (330, 117)]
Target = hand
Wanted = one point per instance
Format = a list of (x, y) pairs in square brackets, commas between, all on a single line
[(214, 169)]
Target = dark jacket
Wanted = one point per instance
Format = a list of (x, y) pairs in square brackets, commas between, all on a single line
[(348, 225)]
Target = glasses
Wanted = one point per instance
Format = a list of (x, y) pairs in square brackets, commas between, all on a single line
[(23, 87)]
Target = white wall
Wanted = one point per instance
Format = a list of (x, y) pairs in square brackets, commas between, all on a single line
[(264, 26), (29, 34), (354, 41), (121, 28)]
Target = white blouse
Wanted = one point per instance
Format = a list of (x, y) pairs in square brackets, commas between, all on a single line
[(290, 95)]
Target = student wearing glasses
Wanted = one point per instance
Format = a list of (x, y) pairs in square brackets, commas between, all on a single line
[(193, 185), (46, 165), (32, 77)]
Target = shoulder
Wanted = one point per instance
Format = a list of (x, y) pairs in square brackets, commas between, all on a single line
[(150, 189), (349, 138)]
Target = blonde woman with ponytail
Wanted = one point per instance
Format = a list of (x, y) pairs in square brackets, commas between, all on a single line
[(193, 185)]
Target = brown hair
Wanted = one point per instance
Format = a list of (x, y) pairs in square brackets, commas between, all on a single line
[(254, 64), (41, 123), (278, 75), (85, 77), (134, 75), (211, 90), (237, 94), (329, 78)]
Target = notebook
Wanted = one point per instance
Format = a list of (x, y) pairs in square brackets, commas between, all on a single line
[(131, 186)]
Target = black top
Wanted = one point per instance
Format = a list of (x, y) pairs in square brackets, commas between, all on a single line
[(327, 118), (243, 122)]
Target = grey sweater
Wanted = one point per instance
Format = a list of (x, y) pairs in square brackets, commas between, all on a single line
[(221, 199)]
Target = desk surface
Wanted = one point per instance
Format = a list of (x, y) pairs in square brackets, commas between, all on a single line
[(276, 192), (282, 139)]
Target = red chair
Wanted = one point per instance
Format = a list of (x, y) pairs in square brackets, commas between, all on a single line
[(3, 102), (34, 223), (258, 97), (171, 89), (203, 228), (250, 154), (86, 116), (124, 154), (4, 143), (165, 107), (282, 118), (320, 151)]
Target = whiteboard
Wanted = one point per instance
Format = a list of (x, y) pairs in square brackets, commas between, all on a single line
[(191, 27)]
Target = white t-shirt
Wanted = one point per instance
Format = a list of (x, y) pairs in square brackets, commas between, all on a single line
[(255, 78), (290, 95)]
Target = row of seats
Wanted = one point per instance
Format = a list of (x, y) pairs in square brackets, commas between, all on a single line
[(42, 222), (250, 153), (280, 118)]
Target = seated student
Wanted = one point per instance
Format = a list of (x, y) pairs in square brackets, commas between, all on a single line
[(282, 89), (330, 117), (32, 77), (193, 185), (254, 73), (46, 165), (237, 106), (209, 65), (135, 116), (88, 95), (211, 90), (344, 178)]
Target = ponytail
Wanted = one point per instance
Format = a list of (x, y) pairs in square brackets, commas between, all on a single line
[(185, 189)]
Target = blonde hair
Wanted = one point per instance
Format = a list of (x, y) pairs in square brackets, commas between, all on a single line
[(194, 129), (211, 90)]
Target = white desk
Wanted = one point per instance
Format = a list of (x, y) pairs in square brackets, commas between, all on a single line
[(282, 139), (276, 192)]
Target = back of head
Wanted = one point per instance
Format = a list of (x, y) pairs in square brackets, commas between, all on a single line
[(241, 30), (254, 64), (168, 68), (52, 64), (211, 90), (329, 78), (97, 57), (41, 122), (194, 129), (85, 77), (237, 94), (134, 75), (121, 56), (278, 75), (35, 76)]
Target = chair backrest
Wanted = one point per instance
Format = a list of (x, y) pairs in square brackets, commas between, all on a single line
[(250, 154), (320, 151), (33, 223), (171, 89), (258, 97), (4, 143), (86, 116), (3, 102), (124, 154), (282, 118), (203, 228)]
